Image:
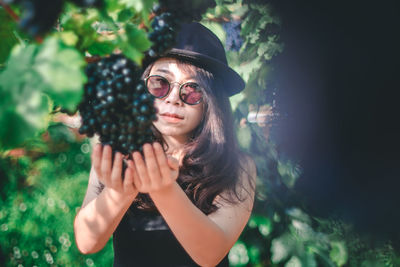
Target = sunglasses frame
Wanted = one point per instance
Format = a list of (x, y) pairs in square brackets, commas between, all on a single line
[(169, 89)]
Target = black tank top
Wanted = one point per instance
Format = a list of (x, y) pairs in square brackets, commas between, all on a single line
[(144, 239)]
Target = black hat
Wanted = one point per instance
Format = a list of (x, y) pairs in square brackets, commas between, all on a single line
[(199, 46)]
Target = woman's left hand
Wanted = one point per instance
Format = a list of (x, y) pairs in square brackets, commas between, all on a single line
[(156, 171)]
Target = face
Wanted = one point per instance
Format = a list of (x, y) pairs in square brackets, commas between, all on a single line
[(175, 118)]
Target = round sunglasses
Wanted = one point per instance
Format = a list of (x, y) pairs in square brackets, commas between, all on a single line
[(190, 92)]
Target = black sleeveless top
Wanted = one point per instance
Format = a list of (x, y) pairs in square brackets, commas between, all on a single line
[(144, 239)]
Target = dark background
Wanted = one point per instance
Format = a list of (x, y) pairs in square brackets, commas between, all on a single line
[(338, 98)]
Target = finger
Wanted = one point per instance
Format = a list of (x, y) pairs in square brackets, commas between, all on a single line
[(162, 161), (96, 158), (153, 168), (141, 169), (134, 178), (106, 161), (128, 177), (117, 168)]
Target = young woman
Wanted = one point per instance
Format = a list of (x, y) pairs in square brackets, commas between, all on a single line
[(186, 200)]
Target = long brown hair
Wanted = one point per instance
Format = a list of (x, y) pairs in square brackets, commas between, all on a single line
[(212, 160)]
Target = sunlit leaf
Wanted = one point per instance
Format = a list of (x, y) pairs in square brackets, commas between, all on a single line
[(238, 255), (294, 262), (133, 43), (338, 253), (244, 137), (302, 230), (298, 214), (281, 248)]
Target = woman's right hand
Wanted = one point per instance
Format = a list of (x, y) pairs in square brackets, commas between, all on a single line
[(101, 212), (110, 173)]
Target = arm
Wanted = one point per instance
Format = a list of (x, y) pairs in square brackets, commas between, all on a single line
[(207, 239), (101, 213)]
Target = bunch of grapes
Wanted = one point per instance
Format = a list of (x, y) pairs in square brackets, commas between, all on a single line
[(116, 105), (233, 40), (39, 16), (88, 3), (170, 14), (185, 11), (164, 32)]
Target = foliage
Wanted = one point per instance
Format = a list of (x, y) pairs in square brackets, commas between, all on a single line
[(38, 206)]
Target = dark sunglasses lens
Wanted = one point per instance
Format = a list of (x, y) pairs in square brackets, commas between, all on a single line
[(157, 86), (191, 93)]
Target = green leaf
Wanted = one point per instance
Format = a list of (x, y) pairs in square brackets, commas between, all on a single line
[(249, 68), (338, 253), (81, 26), (134, 43), (125, 15), (69, 37), (101, 48), (302, 231), (61, 70), (139, 5), (263, 224), (294, 262), (254, 254), (24, 109), (281, 247), (238, 255), (244, 137), (235, 100)]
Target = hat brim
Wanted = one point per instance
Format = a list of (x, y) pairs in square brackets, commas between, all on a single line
[(231, 80)]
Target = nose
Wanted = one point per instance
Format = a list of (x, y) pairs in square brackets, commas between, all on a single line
[(173, 96)]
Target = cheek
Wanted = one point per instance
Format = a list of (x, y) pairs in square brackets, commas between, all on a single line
[(157, 104), (197, 115)]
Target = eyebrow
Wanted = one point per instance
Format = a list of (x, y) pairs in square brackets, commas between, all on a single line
[(166, 71)]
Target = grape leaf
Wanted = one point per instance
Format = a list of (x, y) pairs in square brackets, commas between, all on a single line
[(338, 253), (61, 70), (125, 15), (101, 48), (82, 27), (133, 43), (24, 109)]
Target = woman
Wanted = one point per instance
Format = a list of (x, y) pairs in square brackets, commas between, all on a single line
[(188, 198)]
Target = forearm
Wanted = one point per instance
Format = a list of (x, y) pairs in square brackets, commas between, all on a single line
[(201, 237), (95, 223)]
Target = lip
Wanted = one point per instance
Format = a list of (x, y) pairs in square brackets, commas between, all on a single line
[(171, 117)]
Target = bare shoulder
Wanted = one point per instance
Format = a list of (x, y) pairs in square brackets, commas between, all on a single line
[(248, 169), (247, 178), (245, 187), (232, 217)]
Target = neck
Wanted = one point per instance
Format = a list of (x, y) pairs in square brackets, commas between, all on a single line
[(175, 145)]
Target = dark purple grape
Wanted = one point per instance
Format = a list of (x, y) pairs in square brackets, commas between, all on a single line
[(115, 104)]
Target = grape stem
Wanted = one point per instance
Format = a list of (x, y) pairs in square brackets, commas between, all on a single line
[(15, 17), (9, 10)]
